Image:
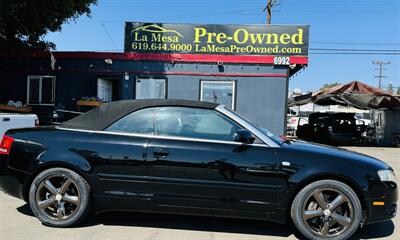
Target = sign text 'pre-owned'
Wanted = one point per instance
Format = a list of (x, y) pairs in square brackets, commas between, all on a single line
[(216, 39)]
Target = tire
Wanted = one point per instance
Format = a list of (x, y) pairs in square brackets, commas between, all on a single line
[(308, 206), (59, 197)]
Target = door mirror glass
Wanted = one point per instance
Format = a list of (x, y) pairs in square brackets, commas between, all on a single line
[(243, 136)]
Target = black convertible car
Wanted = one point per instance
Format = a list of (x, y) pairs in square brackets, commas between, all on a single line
[(188, 157)]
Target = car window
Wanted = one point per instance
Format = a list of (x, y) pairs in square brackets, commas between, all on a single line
[(194, 123), (265, 131), (140, 121)]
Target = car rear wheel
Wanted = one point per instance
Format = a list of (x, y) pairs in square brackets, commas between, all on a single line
[(59, 197), (326, 209)]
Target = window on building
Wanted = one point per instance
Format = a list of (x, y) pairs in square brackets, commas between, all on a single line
[(194, 123), (140, 121), (222, 92), (41, 89), (150, 88)]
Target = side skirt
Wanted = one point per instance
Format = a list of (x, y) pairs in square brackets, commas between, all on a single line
[(114, 204)]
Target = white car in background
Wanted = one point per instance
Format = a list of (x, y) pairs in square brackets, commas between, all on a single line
[(293, 122), (16, 120)]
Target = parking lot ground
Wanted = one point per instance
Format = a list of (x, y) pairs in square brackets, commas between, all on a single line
[(17, 222)]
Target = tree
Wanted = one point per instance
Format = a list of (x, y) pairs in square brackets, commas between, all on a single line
[(24, 22), (398, 91), (329, 85)]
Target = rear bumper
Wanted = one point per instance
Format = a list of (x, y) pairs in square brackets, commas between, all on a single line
[(11, 181), (383, 206)]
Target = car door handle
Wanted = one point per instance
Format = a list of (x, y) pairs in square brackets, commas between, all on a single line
[(160, 154), (6, 119)]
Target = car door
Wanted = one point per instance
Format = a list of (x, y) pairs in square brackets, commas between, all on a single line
[(193, 163), (120, 156)]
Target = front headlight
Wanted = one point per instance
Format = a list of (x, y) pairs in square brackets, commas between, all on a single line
[(387, 176)]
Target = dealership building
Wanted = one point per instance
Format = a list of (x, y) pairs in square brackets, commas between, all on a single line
[(245, 67)]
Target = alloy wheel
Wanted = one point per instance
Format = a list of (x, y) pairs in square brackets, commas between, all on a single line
[(327, 212), (58, 197)]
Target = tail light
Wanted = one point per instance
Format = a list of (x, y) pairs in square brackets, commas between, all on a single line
[(36, 122), (5, 144)]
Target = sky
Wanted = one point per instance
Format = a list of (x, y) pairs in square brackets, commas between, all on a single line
[(349, 24)]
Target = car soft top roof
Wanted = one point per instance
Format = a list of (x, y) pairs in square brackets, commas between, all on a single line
[(101, 117)]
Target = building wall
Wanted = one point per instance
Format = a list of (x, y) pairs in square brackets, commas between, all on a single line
[(387, 126), (260, 99)]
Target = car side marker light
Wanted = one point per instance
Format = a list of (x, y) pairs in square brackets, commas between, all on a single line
[(378, 203)]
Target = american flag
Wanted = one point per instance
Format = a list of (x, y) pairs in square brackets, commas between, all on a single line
[(52, 61)]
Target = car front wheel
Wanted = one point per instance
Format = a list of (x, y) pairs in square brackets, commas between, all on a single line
[(326, 209), (59, 197)]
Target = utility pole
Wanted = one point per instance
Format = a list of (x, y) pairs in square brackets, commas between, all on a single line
[(381, 68), (268, 9)]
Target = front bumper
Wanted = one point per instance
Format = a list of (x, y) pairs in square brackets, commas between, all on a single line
[(11, 181), (383, 205)]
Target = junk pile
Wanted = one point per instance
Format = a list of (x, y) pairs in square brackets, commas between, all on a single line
[(355, 94)]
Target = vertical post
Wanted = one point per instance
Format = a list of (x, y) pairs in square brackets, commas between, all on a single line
[(380, 74), (269, 12), (381, 68)]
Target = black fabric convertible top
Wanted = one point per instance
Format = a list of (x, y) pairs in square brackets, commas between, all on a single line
[(101, 117)]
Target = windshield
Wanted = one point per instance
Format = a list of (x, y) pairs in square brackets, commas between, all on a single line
[(265, 131)]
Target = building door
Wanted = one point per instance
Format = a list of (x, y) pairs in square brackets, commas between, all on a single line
[(104, 89)]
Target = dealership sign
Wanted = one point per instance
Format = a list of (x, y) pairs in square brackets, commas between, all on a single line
[(286, 40)]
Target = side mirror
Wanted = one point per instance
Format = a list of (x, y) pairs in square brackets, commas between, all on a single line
[(243, 136)]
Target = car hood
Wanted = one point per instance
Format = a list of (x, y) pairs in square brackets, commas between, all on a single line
[(331, 153)]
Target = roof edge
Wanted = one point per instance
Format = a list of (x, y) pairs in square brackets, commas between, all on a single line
[(166, 57)]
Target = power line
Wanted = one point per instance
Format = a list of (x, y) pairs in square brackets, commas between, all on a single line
[(222, 13), (109, 36), (268, 9), (324, 11), (356, 43)]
